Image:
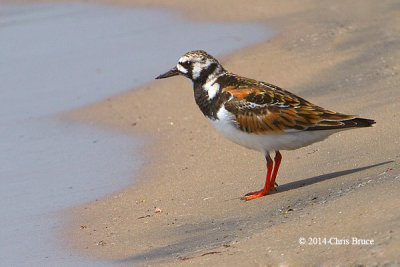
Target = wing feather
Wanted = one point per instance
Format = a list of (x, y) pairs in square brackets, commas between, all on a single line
[(263, 108)]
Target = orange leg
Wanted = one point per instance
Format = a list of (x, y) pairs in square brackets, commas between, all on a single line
[(267, 187), (277, 159)]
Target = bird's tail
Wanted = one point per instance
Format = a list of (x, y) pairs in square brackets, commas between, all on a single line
[(342, 123), (359, 122)]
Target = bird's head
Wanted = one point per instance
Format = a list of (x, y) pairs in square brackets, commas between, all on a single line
[(196, 65)]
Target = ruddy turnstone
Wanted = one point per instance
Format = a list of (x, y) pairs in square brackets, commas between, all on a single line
[(256, 114)]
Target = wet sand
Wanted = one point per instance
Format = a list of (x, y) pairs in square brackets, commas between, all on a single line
[(341, 55), (71, 46)]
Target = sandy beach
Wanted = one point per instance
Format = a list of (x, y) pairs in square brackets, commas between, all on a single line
[(341, 55)]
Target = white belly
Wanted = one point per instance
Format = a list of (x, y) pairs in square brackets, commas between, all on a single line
[(266, 142)]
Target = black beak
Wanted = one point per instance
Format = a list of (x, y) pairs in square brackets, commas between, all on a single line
[(169, 73)]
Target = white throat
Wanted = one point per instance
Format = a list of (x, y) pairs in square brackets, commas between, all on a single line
[(210, 85)]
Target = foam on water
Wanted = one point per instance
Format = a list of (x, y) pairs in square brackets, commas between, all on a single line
[(60, 56)]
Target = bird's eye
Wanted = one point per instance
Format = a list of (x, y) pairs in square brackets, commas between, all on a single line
[(185, 64)]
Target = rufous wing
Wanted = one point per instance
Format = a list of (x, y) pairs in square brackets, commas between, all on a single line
[(263, 110)]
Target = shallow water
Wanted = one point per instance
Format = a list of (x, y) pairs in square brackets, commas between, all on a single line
[(60, 56)]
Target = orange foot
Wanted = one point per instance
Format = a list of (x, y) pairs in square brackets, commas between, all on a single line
[(256, 194)]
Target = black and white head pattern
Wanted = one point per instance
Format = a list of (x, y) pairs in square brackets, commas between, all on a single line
[(198, 66)]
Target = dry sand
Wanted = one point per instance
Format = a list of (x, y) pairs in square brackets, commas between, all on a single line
[(342, 55)]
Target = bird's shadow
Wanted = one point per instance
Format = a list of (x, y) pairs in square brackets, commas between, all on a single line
[(226, 229), (323, 177)]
